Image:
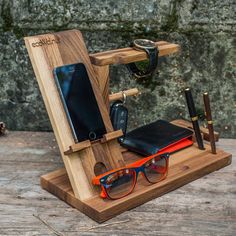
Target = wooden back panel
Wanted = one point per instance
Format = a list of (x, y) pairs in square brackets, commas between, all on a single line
[(56, 49)]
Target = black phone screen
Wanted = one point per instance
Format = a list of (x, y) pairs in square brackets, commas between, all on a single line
[(79, 102)]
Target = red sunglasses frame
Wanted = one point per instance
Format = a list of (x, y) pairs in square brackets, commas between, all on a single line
[(137, 167)]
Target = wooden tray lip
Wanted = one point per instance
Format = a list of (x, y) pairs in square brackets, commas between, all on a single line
[(113, 208)]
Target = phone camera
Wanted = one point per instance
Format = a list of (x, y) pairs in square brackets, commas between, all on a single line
[(92, 135)]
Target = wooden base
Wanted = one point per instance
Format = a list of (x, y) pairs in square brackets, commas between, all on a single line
[(185, 166)]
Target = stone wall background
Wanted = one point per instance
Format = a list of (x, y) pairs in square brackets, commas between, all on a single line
[(206, 31)]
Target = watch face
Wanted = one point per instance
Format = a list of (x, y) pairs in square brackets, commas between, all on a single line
[(144, 43)]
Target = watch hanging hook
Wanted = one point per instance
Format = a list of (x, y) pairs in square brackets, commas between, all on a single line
[(124, 97)]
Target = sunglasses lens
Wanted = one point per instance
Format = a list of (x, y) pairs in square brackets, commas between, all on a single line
[(120, 183), (155, 169)]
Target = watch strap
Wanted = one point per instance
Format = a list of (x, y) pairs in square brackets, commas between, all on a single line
[(153, 61)]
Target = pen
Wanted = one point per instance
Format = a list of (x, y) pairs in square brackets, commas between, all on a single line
[(209, 122), (194, 118)]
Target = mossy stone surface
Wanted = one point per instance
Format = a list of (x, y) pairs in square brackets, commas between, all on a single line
[(205, 30)]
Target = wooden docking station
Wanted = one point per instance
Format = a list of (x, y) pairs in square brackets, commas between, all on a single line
[(83, 160)]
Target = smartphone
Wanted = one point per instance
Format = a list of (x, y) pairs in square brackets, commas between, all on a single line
[(79, 102)]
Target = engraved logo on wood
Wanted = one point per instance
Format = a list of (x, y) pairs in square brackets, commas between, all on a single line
[(45, 42)]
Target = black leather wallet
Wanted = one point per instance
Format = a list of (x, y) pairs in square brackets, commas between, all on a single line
[(151, 138)]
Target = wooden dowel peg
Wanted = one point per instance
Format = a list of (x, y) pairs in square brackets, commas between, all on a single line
[(119, 95)]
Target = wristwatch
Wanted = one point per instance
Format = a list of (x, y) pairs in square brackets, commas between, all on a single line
[(152, 52)]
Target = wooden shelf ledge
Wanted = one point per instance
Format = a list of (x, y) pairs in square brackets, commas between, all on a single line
[(127, 55), (87, 143), (78, 147), (112, 135)]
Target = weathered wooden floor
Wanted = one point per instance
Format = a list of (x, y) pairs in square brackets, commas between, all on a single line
[(204, 207)]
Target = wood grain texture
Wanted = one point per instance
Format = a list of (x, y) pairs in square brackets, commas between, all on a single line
[(102, 73), (185, 166), (59, 49), (43, 61), (204, 207), (78, 147), (127, 55), (112, 135)]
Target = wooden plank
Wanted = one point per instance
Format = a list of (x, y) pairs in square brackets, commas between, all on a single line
[(127, 55), (206, 206), (185, 166), (43, 67), (47, 52)]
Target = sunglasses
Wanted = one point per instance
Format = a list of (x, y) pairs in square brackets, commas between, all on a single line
[(119, 183)]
